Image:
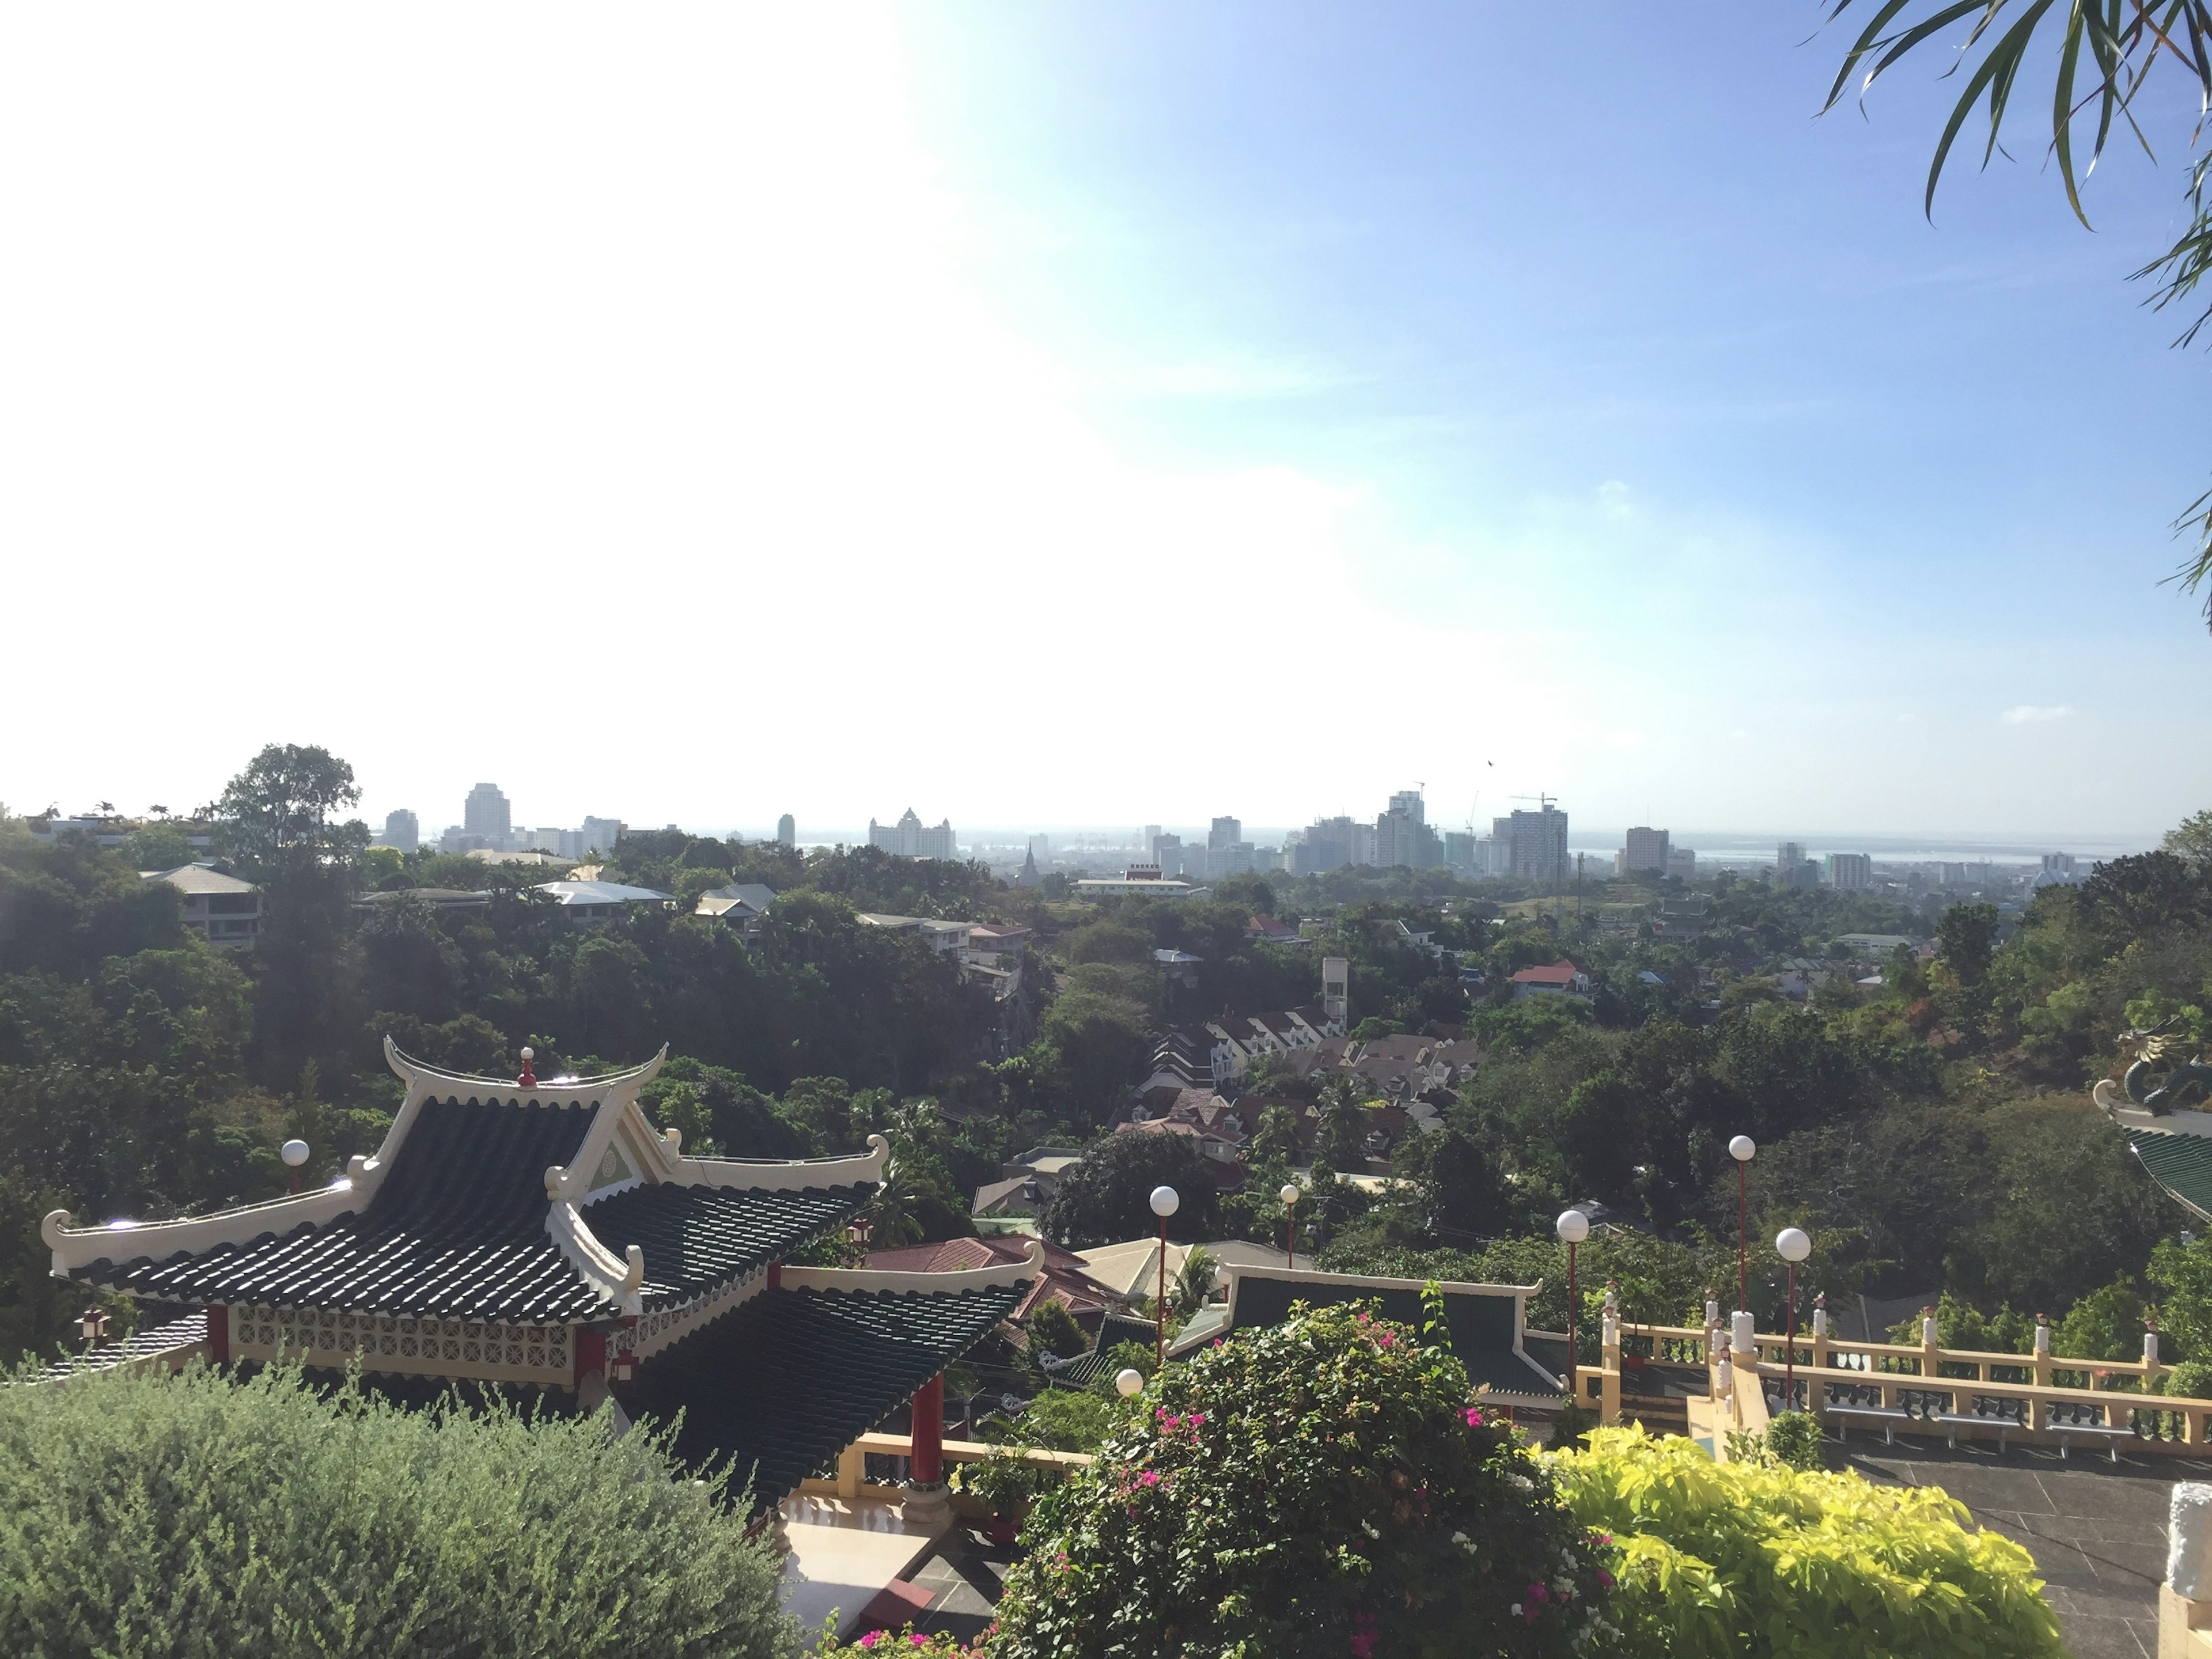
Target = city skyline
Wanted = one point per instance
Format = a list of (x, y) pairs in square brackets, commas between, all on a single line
[(1768, 525)]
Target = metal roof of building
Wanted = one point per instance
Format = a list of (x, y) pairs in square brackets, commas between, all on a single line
[(600, 892), (198, 878)]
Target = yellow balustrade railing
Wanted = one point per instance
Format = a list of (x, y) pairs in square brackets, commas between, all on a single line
[(851, 1479), (1894, 1376)]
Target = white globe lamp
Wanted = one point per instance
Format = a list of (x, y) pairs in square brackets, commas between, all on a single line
[(1129, 1383), (1793, 1247)]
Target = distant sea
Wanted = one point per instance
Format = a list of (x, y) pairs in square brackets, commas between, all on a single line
[(1717, 847)]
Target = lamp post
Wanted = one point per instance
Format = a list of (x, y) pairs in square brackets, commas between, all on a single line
[(1164, 1203), (1290, 1197), (1573, 1227), (295, 1153), (1793, 1247), (1742, 1150)]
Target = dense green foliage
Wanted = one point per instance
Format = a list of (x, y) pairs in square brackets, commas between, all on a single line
[(155, 1517), (1724, 1561), (1323, 1487)]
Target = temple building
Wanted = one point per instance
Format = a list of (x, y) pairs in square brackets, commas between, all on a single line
[(546, 1237)]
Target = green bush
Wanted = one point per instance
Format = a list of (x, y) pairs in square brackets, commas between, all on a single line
[(196, 1517), (2191, 1380), (1722, 1560), (1003, 1481), (1322, 1487), (1794, 1438)]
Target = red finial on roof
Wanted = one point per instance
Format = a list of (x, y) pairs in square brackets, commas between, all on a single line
[(529, 1077)]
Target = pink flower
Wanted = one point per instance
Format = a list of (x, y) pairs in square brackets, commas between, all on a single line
[(919, 1641), (1197, 1419), (1363, 1636), (871, 1638), (1474, 1417), (1604, 1578), (1383, 1337), (1149, 1478), (1536, 1593)]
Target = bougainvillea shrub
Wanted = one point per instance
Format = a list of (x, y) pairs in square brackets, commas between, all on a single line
[(1742, 1561), (1328, 1486)]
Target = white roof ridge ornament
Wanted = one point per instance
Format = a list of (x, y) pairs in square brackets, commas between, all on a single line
[(863, 1281), (775, 1175), (411, 1070)]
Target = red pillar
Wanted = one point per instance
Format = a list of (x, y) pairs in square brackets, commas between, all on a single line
[(929, 1431), (218, 1336), (776, 1275)]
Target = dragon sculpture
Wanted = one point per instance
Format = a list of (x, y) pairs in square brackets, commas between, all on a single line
[(2163, 1072)]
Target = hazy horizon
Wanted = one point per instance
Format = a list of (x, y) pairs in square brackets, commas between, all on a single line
[(999, 411)]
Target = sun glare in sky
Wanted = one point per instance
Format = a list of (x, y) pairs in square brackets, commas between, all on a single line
[(705, 413)]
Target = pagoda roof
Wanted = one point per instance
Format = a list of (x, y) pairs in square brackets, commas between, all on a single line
[(784, 1383), (557, 1203), (1488, 1323), (2181, 1163)]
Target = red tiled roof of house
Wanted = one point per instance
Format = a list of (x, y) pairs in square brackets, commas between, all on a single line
[(1561, 972)]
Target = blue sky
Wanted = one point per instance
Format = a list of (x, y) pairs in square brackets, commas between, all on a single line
[(1080, 414)]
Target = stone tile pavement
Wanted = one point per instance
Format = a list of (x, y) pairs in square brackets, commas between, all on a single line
[(2097, 1529)]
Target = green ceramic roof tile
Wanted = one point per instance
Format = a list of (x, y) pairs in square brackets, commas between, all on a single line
[(2180, 1164), (787, 1381), (458, 1230), (1481, 1326)]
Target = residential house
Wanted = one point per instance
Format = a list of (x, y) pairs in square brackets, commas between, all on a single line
[(1266, 930), (945, 937), (1180, 967), (1560, 978), (739, 905), (221, 909), (592, 903), (1059, 1277)]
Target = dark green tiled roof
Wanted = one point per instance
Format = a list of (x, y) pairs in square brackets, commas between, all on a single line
[(458, 1228), (2180, 1164), (696, 1237), (786, 1382), (1481, 1326)]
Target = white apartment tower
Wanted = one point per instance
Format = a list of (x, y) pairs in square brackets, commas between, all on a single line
[(1645, 849)]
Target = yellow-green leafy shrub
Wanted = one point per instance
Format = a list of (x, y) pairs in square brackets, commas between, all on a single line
[(1718, 1561)]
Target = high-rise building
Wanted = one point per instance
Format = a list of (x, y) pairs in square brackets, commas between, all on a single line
[(1644, 848), (910, 838), (1536, 844), (600, 836), (1225, 832), (1682, 862), (402, 830), (787, 831), (1460, 850), (1042, 845), (1397, 839), (1788, 855), (1409, 802), (1850, 873), (486, 811), (1151, 841)]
